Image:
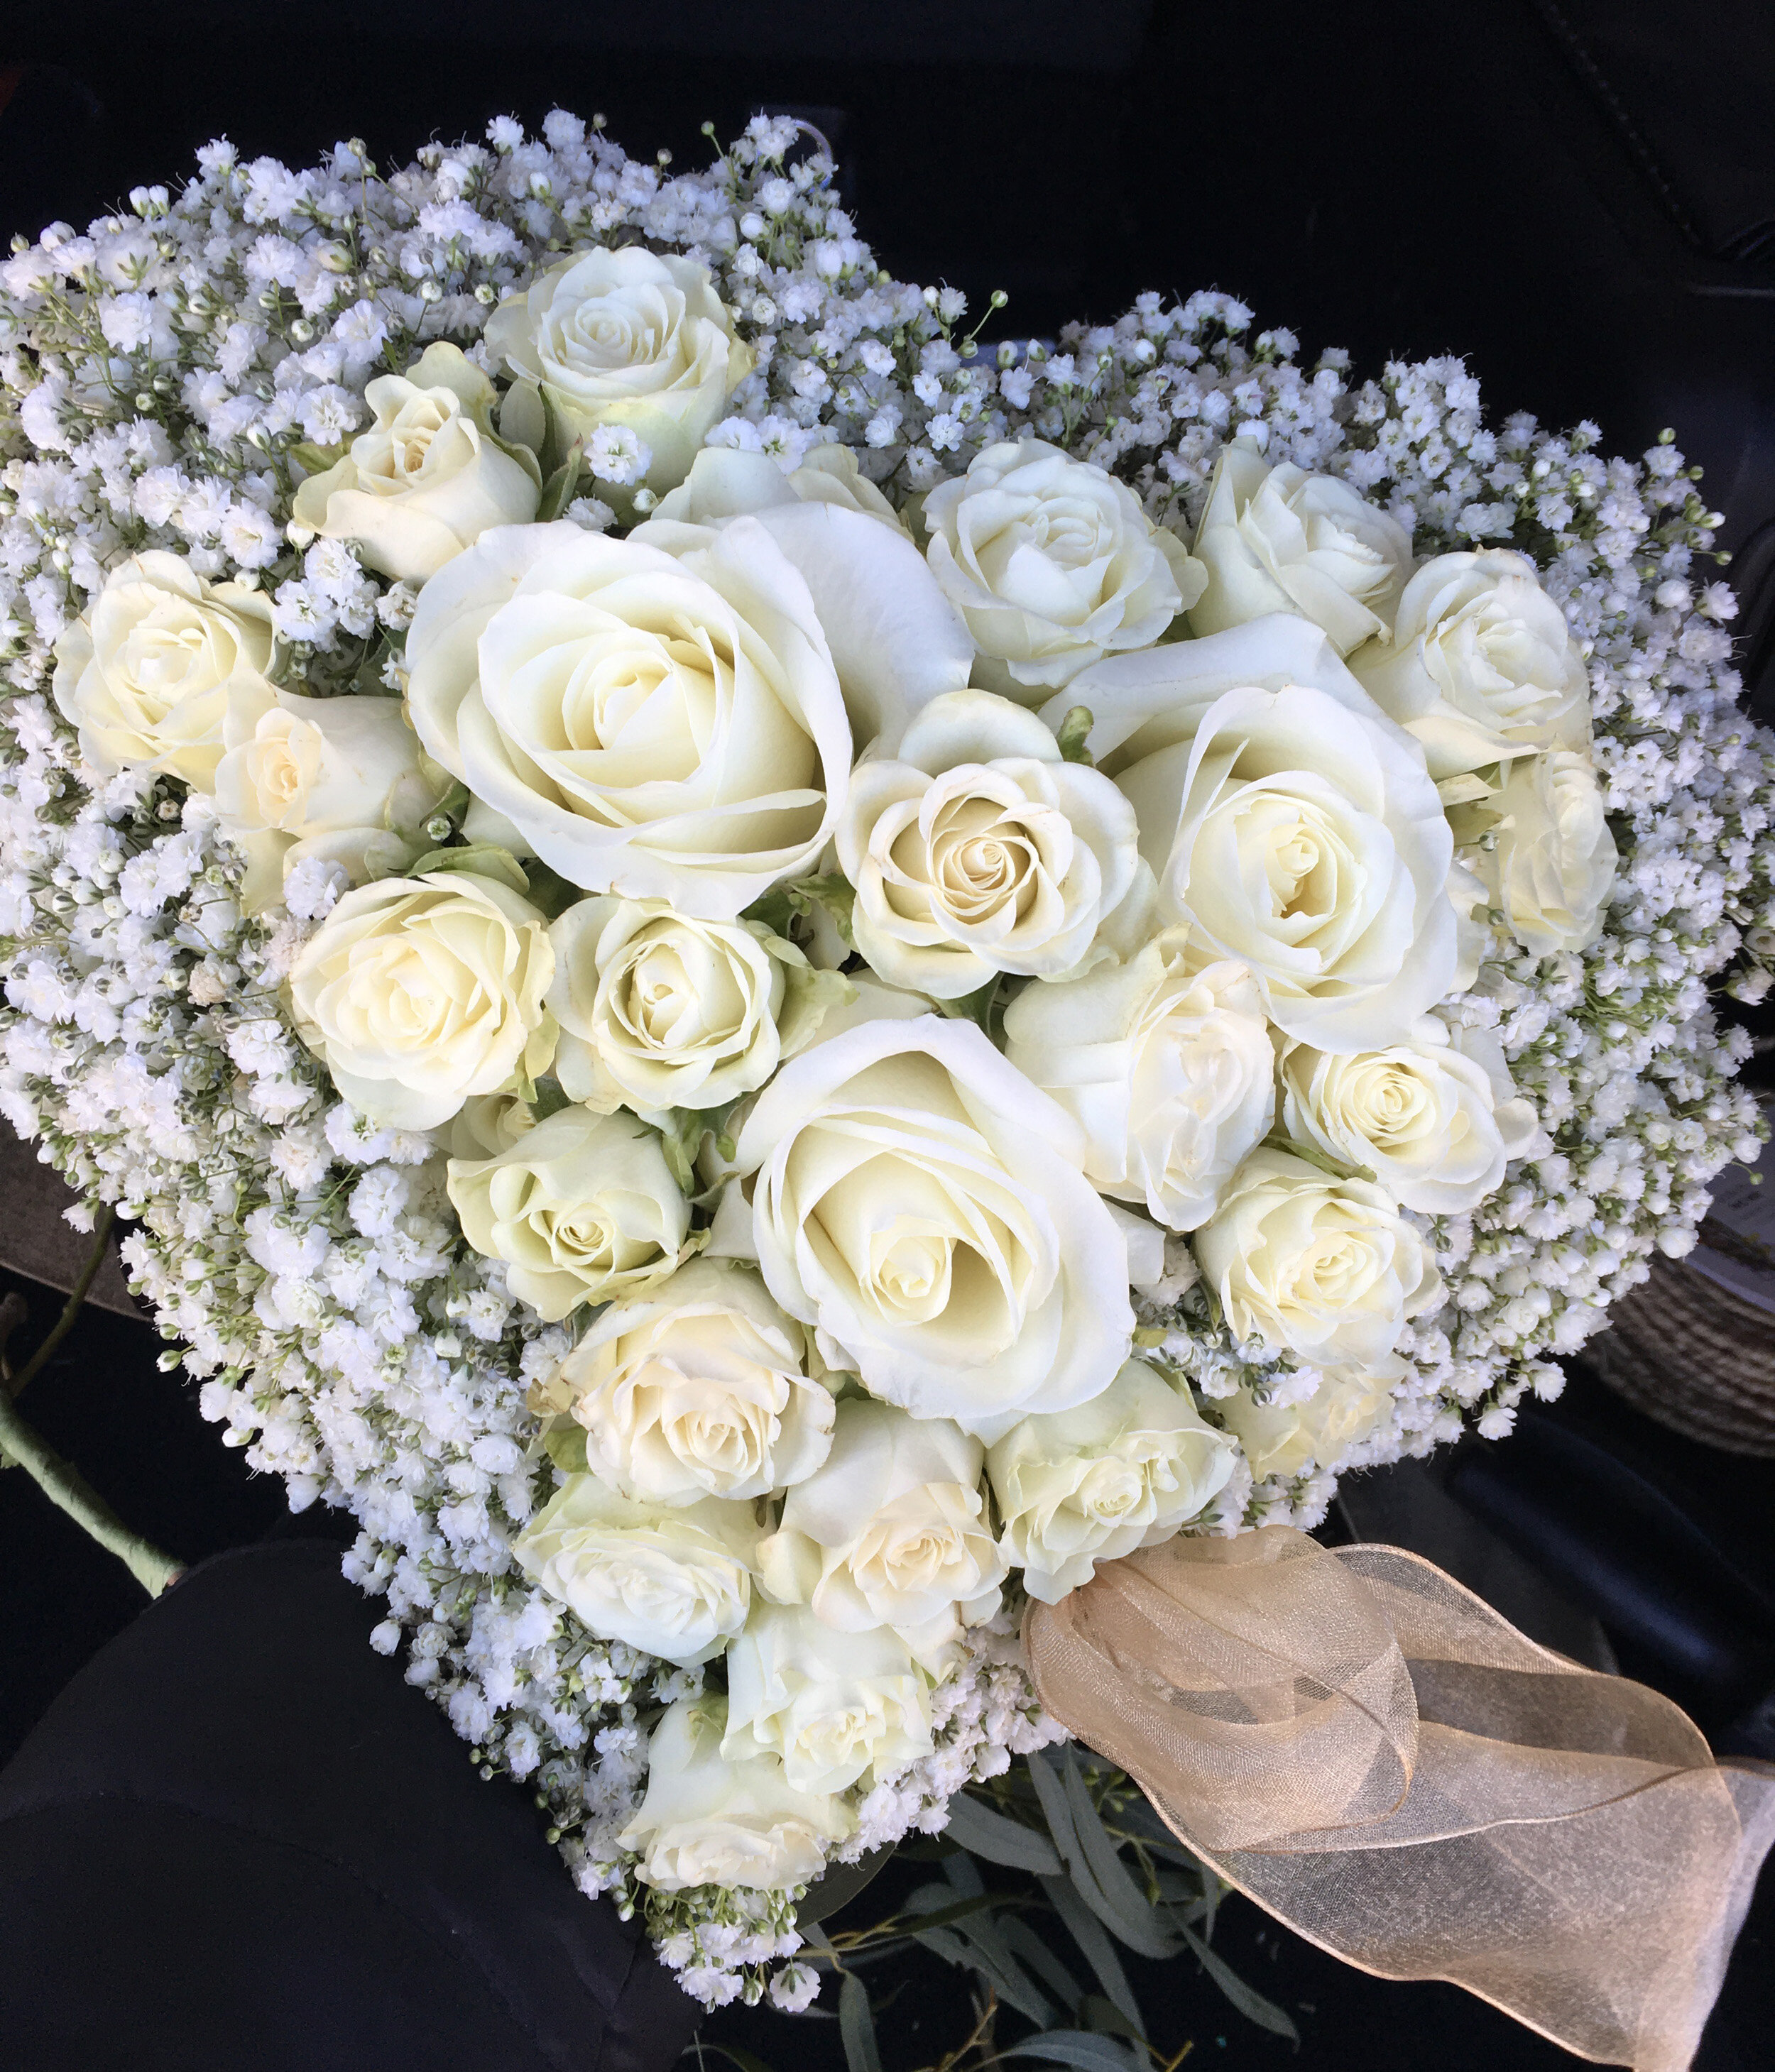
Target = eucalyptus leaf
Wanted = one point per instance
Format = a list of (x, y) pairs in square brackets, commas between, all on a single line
[(986, 1833), (1129, 1904), (1140, 1930), (1079, 2047), (1093, 1939), (839, 1883), (1250, 2002), (1028, 1947), (856, 2025)]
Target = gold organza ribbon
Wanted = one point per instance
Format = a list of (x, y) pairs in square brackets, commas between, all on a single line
[(1370, 1752)]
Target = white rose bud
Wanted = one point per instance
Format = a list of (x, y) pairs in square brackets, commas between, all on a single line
[(583, 1208), (659, 726), (673, 1581), (488, 1124), (890, 1531), (697, 1389), (977, 850), (838, 1708), (1126, 1470), (418, 993), (920, 1202), (343, 779), (1482, 666), (1285, 1439), (1052, 565), (659, 1011), (1168, 1068), (1555, 861), (708, 1819), (1325, 1268), (1275, 538), (428, 477), (631, 338), (148, 674), (1423, 1118)]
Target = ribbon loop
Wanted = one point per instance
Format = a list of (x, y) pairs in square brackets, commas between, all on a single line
[(1373, 1754)]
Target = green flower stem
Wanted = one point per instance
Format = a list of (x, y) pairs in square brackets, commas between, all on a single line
[(59, 1480)]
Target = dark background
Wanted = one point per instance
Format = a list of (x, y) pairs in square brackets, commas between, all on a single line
[(1578, 198)]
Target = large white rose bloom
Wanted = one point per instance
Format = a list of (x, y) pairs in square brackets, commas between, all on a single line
[(1554, 859), (1052, 564), (977, 849), (697, 1389), (1273, 538), (1123, 1471), (630, 338), (1167, 1067), (663, 727), (428, 477), (343, 779), (922, 1203), (1482, 666), (583, 1208), (1298, 832), (1423, 1118), (709, 1820), (892, 1531), (418, 993), (1325, 1268), (672, 1579), (658, 1011), (837, 1708), (147, 676)]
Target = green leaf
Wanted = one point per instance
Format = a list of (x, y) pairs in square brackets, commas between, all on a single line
[(1093, 1939), (549, 891), (315, 459), (833, 892), (565, 1444), (1140, 1930), (1313, 1156), (1071, 733), (976, 1006), (984, 1833), (1034, 1955), (1249, 2003), (550, 1098), (838, 1885), (1081, 2048), (1124, 1896), (558, 491), (856, 2025)]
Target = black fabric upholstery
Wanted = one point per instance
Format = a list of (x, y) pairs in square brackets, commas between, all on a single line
[(238, 1839)]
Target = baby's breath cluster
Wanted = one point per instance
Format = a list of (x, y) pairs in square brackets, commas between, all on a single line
[(169, 377)]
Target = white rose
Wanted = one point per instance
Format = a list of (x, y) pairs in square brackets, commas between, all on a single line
[(583, 1208), (673, 1581), (697, 1389), (630, 338), (428, 477), (147, 675), (658, 1011), (837, 1708), (892, 1532), (1275, 538), (1284, 1439), (1168, 1068), (341, 777), (1554, 860), (923, 1204), (1126, 1470), (1294, 828), (708, 1819), (419, 992), (726, 483), (1422, 1117), (1325, 1268), (1052, 565), (1482, 666), (665, 728), (977, 850)]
